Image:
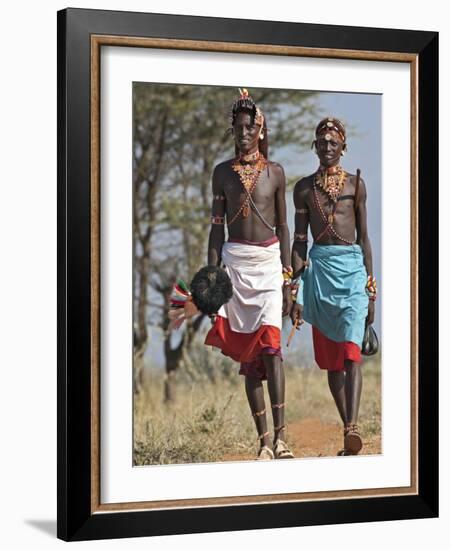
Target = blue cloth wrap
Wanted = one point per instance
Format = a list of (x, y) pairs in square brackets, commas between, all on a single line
[(332, 291)]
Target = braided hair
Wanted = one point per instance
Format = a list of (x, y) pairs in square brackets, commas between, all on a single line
[(245, 104)]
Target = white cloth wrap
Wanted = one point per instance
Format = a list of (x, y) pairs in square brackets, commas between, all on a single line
[(257, 278)]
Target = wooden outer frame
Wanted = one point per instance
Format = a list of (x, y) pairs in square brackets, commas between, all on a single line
[(81, 34)]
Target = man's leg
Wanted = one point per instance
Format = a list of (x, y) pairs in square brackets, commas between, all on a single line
[(276, 387), (337, 385), (275, 384), (346, 390), (353, 387), (255, 395)]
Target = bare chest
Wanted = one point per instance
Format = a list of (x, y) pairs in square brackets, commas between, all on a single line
[(262, 190), (333, 222), (325, 209)]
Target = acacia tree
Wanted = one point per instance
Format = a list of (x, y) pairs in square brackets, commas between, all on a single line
[(180, 134), (152, 140)]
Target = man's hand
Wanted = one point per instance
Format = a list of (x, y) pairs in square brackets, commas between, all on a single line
[(296, 314), (287, 300), (371, 313)]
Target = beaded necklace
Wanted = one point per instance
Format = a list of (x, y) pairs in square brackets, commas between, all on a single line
[(336, 188), (331, 180), (249, 175)]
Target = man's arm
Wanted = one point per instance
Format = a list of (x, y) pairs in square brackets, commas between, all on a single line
[(217, 232), (282, 232), (300, 246), (362, 238)]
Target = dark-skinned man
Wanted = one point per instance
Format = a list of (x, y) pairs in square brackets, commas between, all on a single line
[(337, 289), (249, 195)]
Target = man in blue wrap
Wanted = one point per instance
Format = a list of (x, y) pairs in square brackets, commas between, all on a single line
[(337, 289)]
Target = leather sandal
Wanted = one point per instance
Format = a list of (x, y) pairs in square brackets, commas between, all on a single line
[(352, 439), (280, 448), (264, 453)]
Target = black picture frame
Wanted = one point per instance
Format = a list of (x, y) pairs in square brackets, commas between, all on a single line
[(77, 517)]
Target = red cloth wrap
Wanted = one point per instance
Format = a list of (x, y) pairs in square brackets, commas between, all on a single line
[(246, 348), (331, 355)]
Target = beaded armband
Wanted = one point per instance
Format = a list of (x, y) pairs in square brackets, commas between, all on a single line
[(218, 198), (287, 275), (301, 237), (217, 220), (371, 287)]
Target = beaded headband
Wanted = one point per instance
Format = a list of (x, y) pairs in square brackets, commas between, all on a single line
[(331, 124)]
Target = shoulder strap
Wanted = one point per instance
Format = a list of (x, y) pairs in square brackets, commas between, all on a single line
[(358, 178)]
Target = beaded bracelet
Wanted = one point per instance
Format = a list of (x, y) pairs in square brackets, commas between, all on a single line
[(287, 275), (371, 287)]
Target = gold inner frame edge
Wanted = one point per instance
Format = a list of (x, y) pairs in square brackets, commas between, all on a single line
[(263, 49)]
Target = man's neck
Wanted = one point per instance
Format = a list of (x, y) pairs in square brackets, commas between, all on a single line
[(330, 169), (250, 156)]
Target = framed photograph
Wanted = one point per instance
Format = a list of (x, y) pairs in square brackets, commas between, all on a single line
[(315, 140)]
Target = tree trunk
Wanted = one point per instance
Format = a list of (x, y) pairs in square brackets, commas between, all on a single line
[(170, 387), (145, 198), (138, 369)]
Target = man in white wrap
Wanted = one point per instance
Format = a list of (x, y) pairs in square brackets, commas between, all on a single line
[(249, 193)]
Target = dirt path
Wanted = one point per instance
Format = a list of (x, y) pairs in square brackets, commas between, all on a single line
[(312, 438)]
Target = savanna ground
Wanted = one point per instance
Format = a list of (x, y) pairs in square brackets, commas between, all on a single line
[(210, 421)]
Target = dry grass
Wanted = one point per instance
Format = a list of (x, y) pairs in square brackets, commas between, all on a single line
[(211, 419), (307, 395), (207, 420)]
